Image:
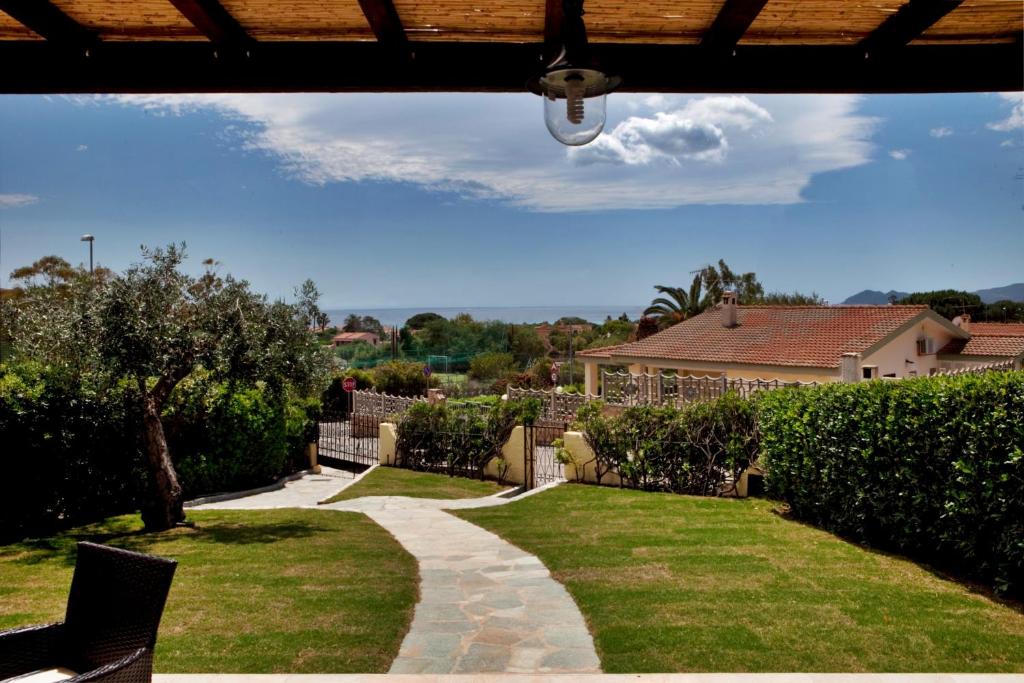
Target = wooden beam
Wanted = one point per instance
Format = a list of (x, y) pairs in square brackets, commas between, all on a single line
[(384, 21), (733, 20), (45, 19), (553, 12), (213, 21), (909, 22), (188, 66)]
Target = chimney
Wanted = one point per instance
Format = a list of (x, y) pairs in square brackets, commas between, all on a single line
[(963, 321), (850, 368), (729, 309)]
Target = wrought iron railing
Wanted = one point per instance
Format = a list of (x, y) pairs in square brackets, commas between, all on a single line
[(626, 389), (979, 369)]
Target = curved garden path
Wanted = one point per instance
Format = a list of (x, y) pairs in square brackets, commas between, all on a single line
[(485, 605)]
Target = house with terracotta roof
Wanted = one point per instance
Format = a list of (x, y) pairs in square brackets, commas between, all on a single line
[(988, 342), (805, 343), (354, 338)]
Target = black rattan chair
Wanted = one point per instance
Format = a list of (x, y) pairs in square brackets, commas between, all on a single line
[(108, 633)]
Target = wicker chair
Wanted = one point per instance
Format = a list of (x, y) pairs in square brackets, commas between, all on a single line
[(116, 601)]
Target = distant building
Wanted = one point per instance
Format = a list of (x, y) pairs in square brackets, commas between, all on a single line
[(343, 338), (810, 343)]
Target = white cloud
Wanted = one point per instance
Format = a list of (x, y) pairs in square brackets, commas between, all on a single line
[(661, 151), (11, 201), (1007, 143), (899, 154), (694, 132), (941, 132), (81, 148), (1015, 120)]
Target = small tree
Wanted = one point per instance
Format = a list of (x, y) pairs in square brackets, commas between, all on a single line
[(156, 325)]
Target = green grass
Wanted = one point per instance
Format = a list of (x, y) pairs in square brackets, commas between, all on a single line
[(675, 583), (394, 481), (255, 591)]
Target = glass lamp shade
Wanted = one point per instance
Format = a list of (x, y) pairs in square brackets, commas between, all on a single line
[(562, 117), (574, 103)]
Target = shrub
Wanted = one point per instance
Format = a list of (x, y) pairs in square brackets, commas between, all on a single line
[(227, 437), (335, 398), (932, 467), (491, 366), (72, 452), (700, 449), (460, 439), (402, 378)]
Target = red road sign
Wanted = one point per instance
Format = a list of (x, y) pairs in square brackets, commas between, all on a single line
[(349, 384)]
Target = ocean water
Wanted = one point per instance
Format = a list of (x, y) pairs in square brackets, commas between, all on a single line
[(508, 314)]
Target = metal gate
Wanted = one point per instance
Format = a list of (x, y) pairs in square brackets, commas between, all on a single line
[(348, 440), (541, 466)]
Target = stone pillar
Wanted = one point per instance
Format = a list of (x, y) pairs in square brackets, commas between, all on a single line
[(387, 450), (434, 396), (311, 451), (849, 368), (591, 378), (512, 452)]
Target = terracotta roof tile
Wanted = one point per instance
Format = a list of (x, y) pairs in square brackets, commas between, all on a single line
[(803, 336), (997, 329), (1005, 346), (599, 352)]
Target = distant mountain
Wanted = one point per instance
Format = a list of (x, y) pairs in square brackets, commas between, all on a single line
[(872, 297), (1014, 292)]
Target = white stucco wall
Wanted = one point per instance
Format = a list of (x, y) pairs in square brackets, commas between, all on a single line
[(891, 358)]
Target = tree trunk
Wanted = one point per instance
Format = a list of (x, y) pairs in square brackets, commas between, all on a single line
[(163, 509)]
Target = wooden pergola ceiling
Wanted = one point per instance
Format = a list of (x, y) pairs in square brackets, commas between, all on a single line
[(496, 45)]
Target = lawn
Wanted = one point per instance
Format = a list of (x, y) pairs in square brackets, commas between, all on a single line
[(255, 591), (394, 481), (676, 583)]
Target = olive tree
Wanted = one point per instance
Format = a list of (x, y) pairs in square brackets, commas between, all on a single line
[(156, 325)]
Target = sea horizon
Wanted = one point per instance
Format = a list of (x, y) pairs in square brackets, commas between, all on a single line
[(396, 316)]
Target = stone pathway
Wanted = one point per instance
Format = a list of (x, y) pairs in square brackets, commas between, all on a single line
[(304, 492), (485, 605)]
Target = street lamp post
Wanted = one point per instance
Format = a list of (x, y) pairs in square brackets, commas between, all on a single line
[(90, 239)]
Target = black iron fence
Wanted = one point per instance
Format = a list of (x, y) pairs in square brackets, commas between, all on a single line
[(463, 453), (346, 439)]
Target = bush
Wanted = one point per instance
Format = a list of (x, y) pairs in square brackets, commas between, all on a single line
[(700, 449), (932, 467), (402, 378), (491, 365), (225, 438), (335, 398), (460, 439), (72, 453)]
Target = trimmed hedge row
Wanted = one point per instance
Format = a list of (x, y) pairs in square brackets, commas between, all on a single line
[(931, 467), (72, 452), (700, 449)]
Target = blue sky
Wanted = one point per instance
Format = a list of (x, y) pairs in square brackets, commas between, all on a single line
[(464, 200)]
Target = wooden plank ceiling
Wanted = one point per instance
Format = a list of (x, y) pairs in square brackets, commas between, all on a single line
[(665, 45)]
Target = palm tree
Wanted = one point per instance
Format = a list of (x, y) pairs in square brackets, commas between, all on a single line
[(677, 305)]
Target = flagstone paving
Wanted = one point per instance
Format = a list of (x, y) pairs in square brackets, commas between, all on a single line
[(485, 605)]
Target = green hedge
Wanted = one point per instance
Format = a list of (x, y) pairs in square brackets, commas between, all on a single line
[(71, 453), (460, 439), (700, 449), (227, 438), (72, 450), (931, 467)]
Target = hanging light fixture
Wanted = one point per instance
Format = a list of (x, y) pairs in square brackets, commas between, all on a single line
[(573, 86)]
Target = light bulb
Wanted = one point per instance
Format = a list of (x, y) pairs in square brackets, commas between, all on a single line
[(574, 104)]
